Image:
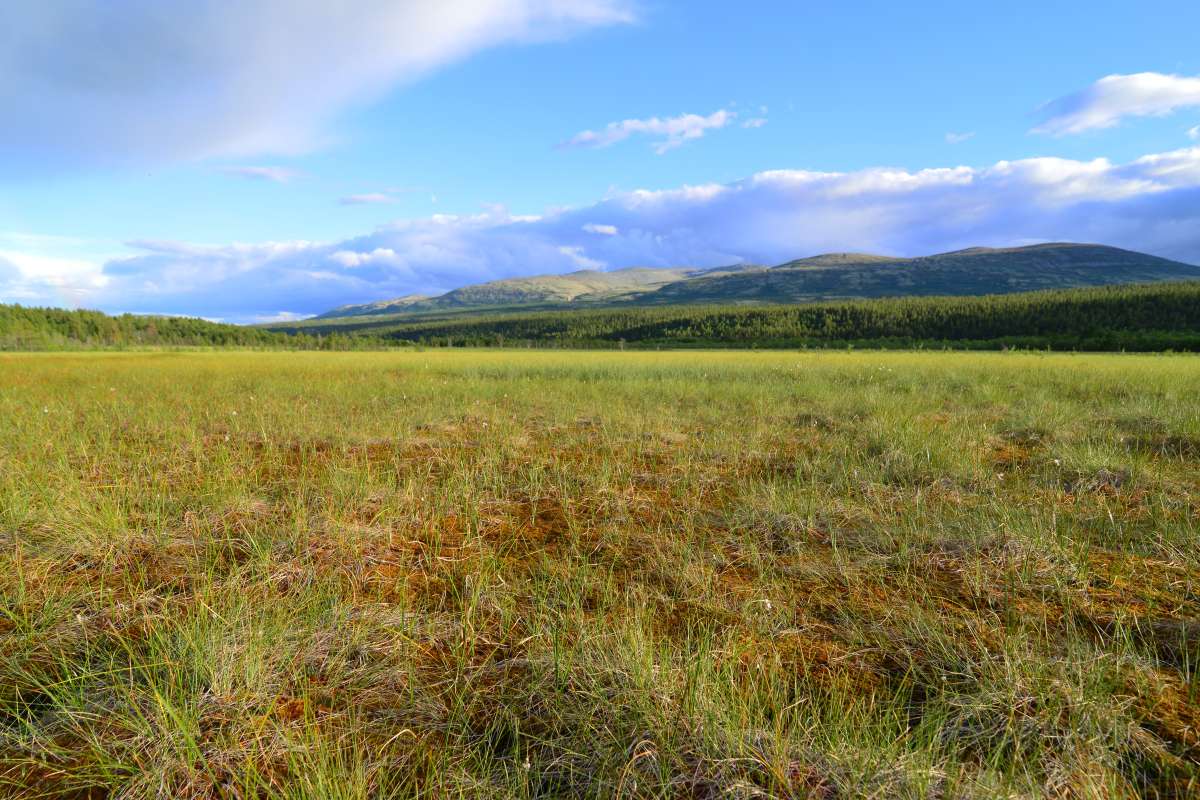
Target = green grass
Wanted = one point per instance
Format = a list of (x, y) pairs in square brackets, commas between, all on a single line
[(538, 574)]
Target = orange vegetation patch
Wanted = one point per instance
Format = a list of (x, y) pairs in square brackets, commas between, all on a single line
[(1129, 582), (813, 656), (525, 524), (1155, 602), (294, 709), (1016, 449), (1169, 707)]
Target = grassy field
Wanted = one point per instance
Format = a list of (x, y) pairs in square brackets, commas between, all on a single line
[(538, 574)]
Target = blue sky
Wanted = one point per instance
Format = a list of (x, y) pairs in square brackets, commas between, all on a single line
[(279, 158)]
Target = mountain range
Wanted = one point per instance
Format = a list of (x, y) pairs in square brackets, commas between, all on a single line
[(831, 276)]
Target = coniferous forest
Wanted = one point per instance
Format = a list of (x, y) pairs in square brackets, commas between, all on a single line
[(23, 328), (1140, 317)]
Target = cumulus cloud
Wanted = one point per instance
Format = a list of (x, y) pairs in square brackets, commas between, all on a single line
[(351, 259), (273, 174), (1115, 97), (33, 278), (107, 83), (1151, 204), (959, 138), (671, 132)]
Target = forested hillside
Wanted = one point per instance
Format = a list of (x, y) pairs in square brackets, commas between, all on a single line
[(1139, 317), (975, 271)]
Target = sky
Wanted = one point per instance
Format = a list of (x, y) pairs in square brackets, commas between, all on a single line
[(273, 159)]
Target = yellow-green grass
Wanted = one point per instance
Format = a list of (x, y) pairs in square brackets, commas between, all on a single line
[(533, 574)]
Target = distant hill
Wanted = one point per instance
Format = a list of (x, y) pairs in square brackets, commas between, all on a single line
[(976, 271), (583, 287), (393, 306), (831, 276)]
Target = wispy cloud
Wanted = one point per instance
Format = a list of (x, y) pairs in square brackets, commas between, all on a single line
[(1194, 133), (382, 197), (254, 77), (758, 121), (959, 138), (671, 132), (369, 198), (273, 174), (1151, 203), (1115, 97)]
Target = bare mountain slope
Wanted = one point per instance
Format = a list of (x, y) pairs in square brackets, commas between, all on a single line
[(584, 286)]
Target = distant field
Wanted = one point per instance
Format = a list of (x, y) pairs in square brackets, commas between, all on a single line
[(459, 573)]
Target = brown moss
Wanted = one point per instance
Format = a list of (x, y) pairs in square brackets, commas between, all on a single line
[(814, 657)]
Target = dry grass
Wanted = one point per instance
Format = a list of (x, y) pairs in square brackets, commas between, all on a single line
[(501, 574)]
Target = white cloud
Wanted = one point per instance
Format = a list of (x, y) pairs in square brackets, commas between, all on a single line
[(370, 198), (37, 279), (1151, 204), (105, 83), (351, 259), (577, 256), (1110, 99), (959, 138), (1194, 133), (671, 132), (281, 316), (44, 269), (52, 269), (273, 174), (756, 122)]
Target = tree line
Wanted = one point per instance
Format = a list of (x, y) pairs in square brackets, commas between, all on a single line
[(28, 328), (1148, 317)]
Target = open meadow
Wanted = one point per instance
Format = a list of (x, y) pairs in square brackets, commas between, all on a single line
[(454, 573)]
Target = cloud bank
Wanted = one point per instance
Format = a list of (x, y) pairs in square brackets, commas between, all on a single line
[(1150, 204), (670, 132), (1115, 97), (108, 83)]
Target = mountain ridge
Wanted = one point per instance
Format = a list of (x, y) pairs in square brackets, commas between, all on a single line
[(584, 286), (821, 277)]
